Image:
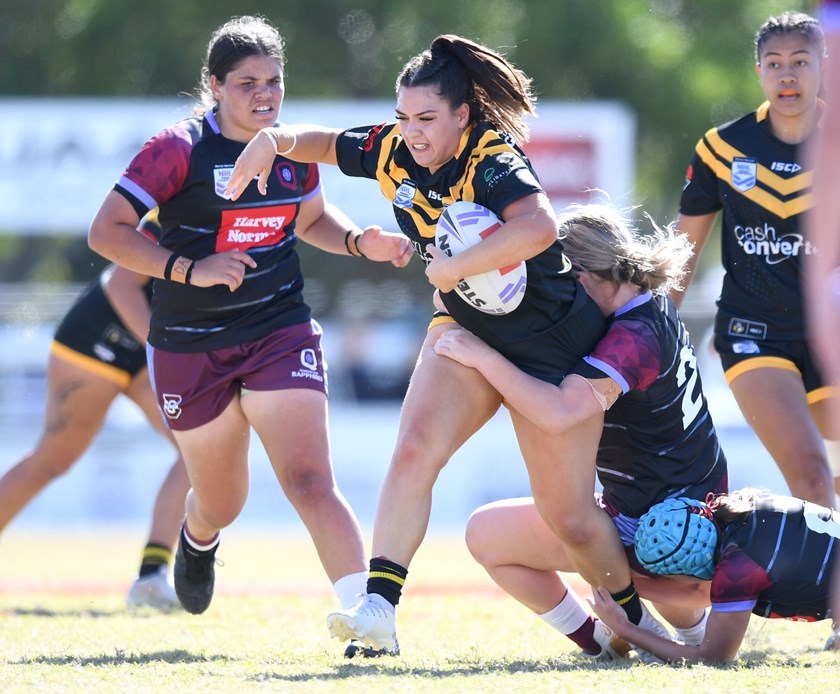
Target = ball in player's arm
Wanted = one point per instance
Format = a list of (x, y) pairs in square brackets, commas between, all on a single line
[(641, 381), (461, 114)]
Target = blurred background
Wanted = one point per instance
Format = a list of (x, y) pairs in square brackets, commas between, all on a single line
[(626, 89)]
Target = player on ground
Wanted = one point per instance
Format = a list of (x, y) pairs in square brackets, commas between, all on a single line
[(98, 352), (232, 344), (461, 110), (753, 169), (765, 554), (658, 438)]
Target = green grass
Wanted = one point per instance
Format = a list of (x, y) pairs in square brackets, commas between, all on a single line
[(63, 628)]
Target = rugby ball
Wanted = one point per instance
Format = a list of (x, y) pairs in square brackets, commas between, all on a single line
[(463, 225)]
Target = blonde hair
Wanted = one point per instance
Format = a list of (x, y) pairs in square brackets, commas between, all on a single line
[(600, 239)]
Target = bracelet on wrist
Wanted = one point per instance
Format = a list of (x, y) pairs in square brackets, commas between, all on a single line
[(347, 242), (189, 273), (288, 149), (167, 271), (356, 238), (271, 137)]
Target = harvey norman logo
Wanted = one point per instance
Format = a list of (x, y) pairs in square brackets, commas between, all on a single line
[(259, 226)]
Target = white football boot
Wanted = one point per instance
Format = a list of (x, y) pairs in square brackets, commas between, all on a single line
[(153, 590), (371, 621)]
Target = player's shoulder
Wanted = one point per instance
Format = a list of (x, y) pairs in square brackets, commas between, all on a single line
[(732, 129)]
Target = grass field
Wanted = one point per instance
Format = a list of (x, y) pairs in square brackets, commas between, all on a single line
[(63, 628)]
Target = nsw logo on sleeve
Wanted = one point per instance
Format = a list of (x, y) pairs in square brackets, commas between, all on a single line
[(248, 227), (744, 173)]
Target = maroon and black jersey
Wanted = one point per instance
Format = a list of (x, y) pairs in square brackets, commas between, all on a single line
[(184, 171), (777, 560), (489, 169), (658, 440)]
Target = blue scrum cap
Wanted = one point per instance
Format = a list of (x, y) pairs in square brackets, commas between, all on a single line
[(677, 536)]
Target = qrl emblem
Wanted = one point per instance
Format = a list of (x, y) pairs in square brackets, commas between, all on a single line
[(172, 405), (744, 173)]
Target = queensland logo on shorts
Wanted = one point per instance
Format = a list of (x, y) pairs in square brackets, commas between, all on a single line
[(221, 177), (172, 405), (744, 172), (309, 364), (251, 227), (405, 194)]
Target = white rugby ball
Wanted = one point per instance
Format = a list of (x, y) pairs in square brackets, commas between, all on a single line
[(463, 225)]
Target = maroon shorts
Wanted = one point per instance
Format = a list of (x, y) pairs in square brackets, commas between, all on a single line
[(194, 388)]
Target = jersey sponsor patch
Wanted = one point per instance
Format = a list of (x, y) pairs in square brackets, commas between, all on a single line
[(242, 229), (744, 173), (740, 327)]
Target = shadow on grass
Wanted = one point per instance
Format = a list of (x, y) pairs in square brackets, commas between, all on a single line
[(174, 657), (458, 668), (47, 612)]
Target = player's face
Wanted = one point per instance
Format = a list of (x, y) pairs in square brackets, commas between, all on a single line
[(601, 291), (430, 127), (790, 73), (250, 97)]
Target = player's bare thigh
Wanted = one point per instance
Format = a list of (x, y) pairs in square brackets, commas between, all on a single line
[(446, 402)]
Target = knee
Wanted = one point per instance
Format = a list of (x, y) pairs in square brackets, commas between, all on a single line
[(479, 537), (218, 512), (813, 481), (308, 486), (570, 524), (418, 455), (47, 466)]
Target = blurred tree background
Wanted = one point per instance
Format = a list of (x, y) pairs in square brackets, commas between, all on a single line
[(681, 66)]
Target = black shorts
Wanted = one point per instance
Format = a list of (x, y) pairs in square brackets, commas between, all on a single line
[(92, 335), (741, 354), (550, 354)]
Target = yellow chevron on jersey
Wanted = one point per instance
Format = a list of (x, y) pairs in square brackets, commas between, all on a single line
[(423, 211), (784, 197)]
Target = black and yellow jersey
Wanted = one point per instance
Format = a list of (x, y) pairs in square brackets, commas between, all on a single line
[(763, 187), (489, 169)]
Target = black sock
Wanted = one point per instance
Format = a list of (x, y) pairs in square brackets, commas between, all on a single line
[(386, 579), (630, 602), (154, 556)]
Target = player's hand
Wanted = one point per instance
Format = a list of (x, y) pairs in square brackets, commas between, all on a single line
[(608, 610), (462, 346), (385, 246), (222, 268), (256, 160), (439, 270)]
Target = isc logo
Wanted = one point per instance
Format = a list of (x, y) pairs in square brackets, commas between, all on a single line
[(789, 167)]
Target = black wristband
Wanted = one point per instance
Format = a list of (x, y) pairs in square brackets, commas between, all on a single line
[(167, 271), (189, 272), (356, 244), (347, 242)]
